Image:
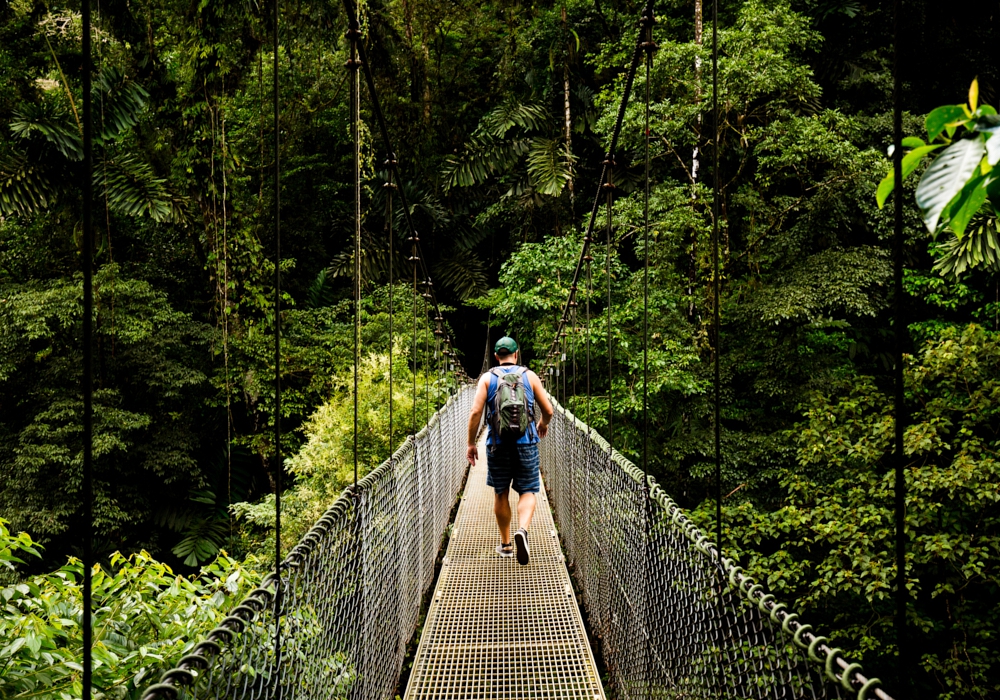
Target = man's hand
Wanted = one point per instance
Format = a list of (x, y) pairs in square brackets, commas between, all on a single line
[(543, 428), (472, 454)]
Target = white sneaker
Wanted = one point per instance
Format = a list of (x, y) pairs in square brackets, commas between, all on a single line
[(505, 550)]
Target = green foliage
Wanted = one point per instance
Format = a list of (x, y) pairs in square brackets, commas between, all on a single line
[(324, 466), (145, 619), (959, 184), (150, 360), (829, 547)]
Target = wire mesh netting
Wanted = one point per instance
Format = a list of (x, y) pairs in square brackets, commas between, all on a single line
[(496, 630), (350, 591), (675, 621)]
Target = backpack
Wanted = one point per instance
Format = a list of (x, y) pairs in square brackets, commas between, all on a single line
[(509, 413)]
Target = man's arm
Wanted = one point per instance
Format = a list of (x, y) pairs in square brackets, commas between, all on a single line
[(542, 401), (476, 417)]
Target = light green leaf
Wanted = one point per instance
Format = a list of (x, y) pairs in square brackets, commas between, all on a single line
[(946, 177), (941, 117)]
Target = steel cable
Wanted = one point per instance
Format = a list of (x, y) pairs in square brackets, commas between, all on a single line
[(899, 340), (352, 603), (87, 380), (686, 622), (278, 466)]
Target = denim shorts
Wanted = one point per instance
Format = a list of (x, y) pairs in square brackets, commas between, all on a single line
[(514, 466)]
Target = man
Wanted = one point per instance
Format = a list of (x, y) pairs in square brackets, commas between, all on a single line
[(509, 462)]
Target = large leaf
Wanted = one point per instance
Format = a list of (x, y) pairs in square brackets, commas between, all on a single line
[(464, 272), (483, 158), (502, 119), (946, 177), (963, 207), (940, 118), (910, 162)]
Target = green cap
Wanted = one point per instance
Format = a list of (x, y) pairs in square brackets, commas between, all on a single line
[(505, 346)]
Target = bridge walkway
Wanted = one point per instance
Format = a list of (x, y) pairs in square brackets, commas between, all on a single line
[(496, 629)]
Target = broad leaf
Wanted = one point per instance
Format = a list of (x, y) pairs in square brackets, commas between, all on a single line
[(910, 162), (968, 202), (937, 120), (946, 177)]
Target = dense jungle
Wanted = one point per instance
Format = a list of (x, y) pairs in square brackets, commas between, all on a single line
[(501, 112)]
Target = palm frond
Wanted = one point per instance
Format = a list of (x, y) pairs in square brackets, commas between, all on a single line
[(548, 166), (120, 102), (503, 118), (482, 158), (133, 189), (46, 119), (24, 188), (321, 292), (463, 271), (979, 247)]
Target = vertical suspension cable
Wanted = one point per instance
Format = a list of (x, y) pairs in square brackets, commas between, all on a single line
[(899, 402), (648, 46), (277, 351), (427, 350), (573, 305), (389, 185), (353, 33), (414, 259), (588, 259), (609, 187), (88, 359), (716, 315)]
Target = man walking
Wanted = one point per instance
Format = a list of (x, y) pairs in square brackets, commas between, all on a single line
[(512, 441)]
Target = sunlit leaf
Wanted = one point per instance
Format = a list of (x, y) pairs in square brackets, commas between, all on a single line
[(946, 177)]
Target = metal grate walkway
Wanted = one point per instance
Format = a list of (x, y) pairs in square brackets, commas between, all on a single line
[(496, 629)]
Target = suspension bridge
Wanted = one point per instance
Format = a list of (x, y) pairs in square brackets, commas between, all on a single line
[(651, 596), (670, 616)]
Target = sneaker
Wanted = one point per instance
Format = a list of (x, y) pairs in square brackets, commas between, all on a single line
[(521, 540), (505, 550)]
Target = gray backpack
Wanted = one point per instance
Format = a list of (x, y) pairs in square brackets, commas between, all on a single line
[(510, 413)]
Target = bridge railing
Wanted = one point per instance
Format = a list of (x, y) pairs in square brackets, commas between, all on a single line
[(351, 588), (672, 620)]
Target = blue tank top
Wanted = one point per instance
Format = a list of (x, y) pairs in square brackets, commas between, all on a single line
[(530, 436)]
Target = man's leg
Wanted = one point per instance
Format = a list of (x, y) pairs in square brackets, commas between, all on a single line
[(501, 508), (525, 511)]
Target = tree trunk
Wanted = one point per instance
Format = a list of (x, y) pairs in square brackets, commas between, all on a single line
[(568, 121), (695, 163)]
